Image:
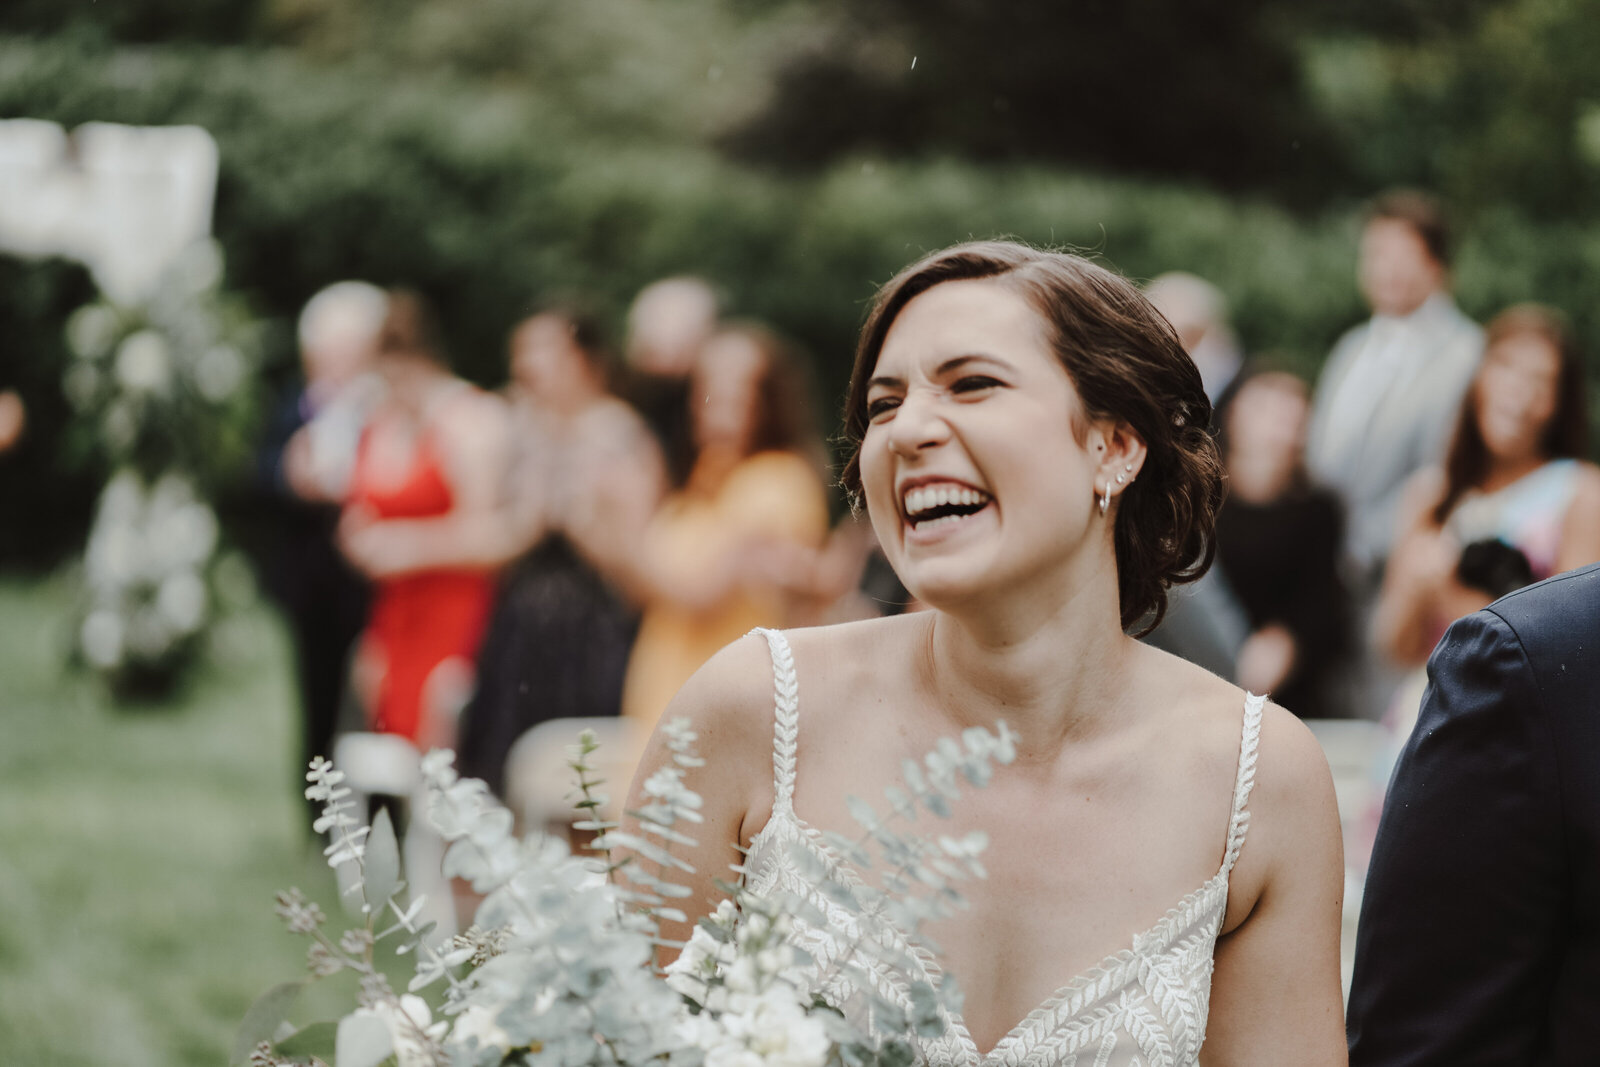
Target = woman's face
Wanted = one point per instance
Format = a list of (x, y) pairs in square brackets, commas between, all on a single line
[(973, 477), (546, 361), (726, 379), (1267, 421), (1516, 395)]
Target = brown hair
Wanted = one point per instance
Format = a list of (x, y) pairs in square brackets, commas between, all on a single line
[(1420, 211), (410, 328), (1127, 365), (1466, 465), (782, 419)]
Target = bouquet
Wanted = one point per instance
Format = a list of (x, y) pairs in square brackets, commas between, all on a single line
[(560, 964)]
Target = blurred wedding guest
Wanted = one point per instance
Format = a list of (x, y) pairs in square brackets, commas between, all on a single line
[(1387, 399), (1386, 402), (1278, 543), (585, 478), (1513, 501), (1205, 623), (431, 457), (1199, 312), (739, 546), (304, 464), (669, 322)]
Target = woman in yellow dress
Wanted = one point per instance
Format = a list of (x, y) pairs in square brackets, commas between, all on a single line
[(739, 546)]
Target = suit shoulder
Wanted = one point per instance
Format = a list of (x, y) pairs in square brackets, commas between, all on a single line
[(1558, 617)]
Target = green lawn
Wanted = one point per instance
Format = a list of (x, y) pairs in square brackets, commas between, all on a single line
[(140, 848)]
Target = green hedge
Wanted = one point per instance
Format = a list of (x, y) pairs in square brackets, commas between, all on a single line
[(490, 202)]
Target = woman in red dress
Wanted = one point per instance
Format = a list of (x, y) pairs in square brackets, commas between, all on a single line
[(430, 460)]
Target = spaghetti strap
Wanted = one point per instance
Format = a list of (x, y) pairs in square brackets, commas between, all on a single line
[(786, 714), (1250, 737)]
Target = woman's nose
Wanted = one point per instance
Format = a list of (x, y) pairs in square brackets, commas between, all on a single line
[(917, 425)]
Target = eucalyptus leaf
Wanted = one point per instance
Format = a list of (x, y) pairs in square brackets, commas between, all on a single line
[(261, 1022), (382, 863), (363, 1040), (848, 849), (862, 812)]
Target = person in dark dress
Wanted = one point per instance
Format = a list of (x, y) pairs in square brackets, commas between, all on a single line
[(586, 477), (1278, 543)]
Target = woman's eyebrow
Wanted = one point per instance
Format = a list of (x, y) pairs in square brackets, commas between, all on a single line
[(957, 362), (954, 363)]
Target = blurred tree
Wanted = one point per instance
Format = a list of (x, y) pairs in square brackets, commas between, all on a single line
[(216, 21), (1204, 88), (1495, 108)]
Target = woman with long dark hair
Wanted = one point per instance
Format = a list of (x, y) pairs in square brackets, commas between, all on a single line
[(1514, 501), (1032, 446), (739, 546)]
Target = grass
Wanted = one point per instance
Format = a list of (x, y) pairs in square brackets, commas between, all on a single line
[(140, 848)]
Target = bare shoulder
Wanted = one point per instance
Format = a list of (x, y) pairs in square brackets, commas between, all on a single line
[(1293, 832), (838, 664), (729, 700), (474, 418), (1586, 488)]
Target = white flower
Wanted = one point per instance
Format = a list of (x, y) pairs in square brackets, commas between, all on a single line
[(218, 372), (101, 638), (691, 973), (478, 1022), (182, 599), (781, 1033), (91, 330), (731, 1055), (143, 365), (415, 1033), (149, 635)]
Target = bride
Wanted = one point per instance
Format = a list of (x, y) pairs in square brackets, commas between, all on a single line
[(1164, 854)]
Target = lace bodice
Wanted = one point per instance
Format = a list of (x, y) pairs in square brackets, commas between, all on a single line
[(1144, 1005)]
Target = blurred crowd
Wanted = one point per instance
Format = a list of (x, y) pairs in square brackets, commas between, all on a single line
[(460, 566)]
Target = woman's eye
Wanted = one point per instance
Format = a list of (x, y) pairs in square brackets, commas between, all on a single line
[(973, 383), (881, 406)]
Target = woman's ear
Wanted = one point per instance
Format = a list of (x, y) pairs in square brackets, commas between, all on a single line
[(1121, 454)]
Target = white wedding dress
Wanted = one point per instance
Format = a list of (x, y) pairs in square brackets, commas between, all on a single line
[(1142, 1006)]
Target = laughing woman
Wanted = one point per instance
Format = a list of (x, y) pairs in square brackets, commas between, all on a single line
[(1030, 442)]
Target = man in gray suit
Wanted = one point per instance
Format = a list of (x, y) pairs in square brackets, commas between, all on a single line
[(1390, 393)]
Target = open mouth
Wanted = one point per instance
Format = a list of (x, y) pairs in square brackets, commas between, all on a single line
[(932, 506)]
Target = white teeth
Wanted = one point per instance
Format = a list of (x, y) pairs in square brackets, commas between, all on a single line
[(918, 501)]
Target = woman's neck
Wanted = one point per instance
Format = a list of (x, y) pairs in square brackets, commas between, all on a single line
[(1503, 472), (1053, 673)]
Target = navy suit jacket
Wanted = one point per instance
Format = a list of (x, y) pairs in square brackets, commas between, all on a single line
[(1479, 940)]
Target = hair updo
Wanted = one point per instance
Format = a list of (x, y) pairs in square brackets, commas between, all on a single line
[(1127, 365)]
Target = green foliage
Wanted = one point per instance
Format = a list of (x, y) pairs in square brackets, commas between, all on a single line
[(1207, 91), (491, 201)]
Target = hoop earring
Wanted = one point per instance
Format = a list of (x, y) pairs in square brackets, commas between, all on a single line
[(1105, 497)]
